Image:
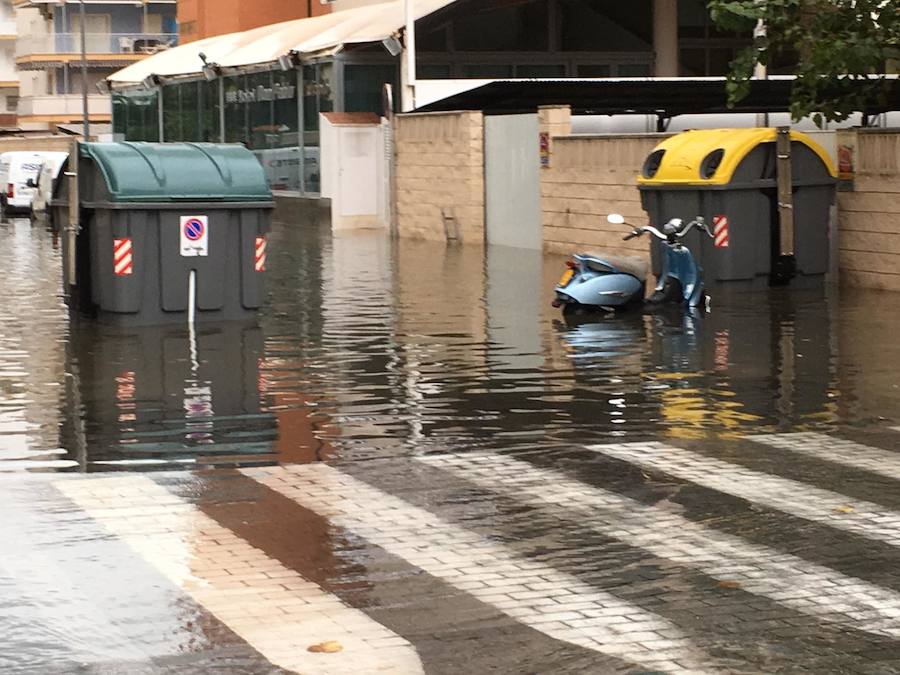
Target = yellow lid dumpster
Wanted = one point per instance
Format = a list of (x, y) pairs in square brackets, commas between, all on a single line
[(729, 176)]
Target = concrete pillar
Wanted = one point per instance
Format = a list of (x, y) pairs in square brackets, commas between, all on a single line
[(665, 38)]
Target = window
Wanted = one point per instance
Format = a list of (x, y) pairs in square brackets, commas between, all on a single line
[(602, 26), (363, 86), (704, 50), (516, 27)]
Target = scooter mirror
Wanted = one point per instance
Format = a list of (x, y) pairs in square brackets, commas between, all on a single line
[(615, 218)]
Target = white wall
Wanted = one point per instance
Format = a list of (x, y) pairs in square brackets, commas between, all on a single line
[(628, 124)]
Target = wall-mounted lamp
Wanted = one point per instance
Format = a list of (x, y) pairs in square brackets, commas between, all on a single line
[(103, 87), (288, 61), (210, 72), (392, 44), (151, 81), (210, 69)]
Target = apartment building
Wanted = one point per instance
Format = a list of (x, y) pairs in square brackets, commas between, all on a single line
[(9, 78), (198, 19), (48, 53)]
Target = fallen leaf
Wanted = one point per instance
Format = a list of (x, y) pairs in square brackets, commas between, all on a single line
[(329, 647), (728, 583), (844, 509)]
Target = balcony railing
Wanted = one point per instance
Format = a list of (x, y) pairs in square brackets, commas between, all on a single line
[(63, 104), (96, 43)]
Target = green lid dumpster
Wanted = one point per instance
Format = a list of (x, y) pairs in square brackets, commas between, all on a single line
[(166, 226), (731, 178)]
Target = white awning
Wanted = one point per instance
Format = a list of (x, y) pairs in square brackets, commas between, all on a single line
[(306, 37)]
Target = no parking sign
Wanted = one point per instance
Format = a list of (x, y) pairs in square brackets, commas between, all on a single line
[(194, 235)]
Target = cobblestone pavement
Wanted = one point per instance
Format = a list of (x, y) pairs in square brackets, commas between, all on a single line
[(769, 554)]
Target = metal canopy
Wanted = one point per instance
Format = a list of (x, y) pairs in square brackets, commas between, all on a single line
[(664, 97)]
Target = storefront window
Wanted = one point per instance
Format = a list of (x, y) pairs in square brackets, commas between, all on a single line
[(318, 97), (136, 115), (236, 94), (260, 110), (208, 112), (282, 161)]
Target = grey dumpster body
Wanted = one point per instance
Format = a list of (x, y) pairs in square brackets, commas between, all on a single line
[(155, 215), (728, 176)]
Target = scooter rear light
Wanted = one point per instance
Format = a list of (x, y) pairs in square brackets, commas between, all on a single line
[(571, 264), (10, 190)]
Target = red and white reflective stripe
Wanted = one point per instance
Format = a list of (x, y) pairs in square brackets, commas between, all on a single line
[(123, 262), (260, 265), (720, 231)]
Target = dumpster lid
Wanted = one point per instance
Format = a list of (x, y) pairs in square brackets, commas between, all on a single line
[(683, 154), (170, 172)]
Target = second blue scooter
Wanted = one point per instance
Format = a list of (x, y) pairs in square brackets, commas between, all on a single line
[(600, 282)]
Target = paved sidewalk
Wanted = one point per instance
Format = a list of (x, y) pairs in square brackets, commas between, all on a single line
[(776, 553)]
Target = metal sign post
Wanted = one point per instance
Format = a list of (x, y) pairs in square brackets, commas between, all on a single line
[(785, 190), (408, 65)]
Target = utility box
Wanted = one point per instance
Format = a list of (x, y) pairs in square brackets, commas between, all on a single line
[(159, 221), (730, 177)]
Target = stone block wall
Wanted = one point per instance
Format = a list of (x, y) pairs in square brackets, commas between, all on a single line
[(588, 178), (440, 176), (869, 215)]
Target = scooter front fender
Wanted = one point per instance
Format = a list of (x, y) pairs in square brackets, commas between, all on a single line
[(603, 290)]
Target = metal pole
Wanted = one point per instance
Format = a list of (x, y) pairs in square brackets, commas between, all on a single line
[(760, 71), (409, 84), (84, 84), (785, 190), (73, 225), (221, 82), (301, 129)]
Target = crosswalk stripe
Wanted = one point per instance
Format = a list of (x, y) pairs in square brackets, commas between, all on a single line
[(789, 496), (272, 608), (791, 581), (550, 601), (837, 450)]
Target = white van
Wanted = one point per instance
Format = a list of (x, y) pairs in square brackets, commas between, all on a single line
[(46, 182), (17, 170)]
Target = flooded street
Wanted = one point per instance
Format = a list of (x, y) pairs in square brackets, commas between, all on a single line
[(412, 455)]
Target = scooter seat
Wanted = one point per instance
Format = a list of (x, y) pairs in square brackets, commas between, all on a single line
[(601, 262)]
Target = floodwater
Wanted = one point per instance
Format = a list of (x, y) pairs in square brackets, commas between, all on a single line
[(372, 347)]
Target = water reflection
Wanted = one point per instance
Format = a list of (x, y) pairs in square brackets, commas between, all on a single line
[(160, 397), (373, 347)]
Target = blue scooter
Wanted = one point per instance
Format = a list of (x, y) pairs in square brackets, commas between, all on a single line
[(596, 281)]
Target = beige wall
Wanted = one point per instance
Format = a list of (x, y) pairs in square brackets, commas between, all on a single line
[(440, 176), (869, 216), (440, 172), (37, 144), (588, 178)]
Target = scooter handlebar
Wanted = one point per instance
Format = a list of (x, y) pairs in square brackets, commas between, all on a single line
[(632, 235), (697, 222)]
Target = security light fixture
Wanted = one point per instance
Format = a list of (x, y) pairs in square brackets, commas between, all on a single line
[(103, 87), (210, 72), (210, 69), (392, 44), (288, 61), (151, 81)]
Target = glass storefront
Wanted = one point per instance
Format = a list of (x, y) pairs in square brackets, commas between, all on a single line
[(275, 113), (261, 110), (136, 115)]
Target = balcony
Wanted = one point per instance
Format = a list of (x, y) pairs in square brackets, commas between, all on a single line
[(102, 49), (62, 108)]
